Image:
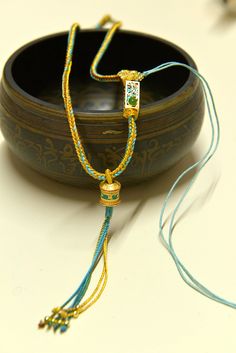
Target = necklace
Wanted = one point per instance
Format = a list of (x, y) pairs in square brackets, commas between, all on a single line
[(110, 188)]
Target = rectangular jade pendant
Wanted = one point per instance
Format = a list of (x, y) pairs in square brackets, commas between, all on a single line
[(132, 99)]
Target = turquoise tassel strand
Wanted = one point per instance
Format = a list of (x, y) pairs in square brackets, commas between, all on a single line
[(79, 294), (198, 166), (62, 315)]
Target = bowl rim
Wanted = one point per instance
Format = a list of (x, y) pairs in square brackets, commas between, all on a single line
[(96, 114)]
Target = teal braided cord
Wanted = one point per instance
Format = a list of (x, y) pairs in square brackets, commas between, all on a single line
[(214, 121)]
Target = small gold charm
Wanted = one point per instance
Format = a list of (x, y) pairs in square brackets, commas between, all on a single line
[(41, 324), (110, 193), (56, 310)]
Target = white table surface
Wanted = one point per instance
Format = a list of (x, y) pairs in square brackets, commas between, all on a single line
[(49, 230)]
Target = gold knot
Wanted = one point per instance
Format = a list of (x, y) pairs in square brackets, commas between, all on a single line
[(130, 75)]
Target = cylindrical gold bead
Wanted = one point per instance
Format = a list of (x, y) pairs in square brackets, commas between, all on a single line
[(110, 193)]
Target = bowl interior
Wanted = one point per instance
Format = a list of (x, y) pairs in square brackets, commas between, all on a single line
[(37, 68)]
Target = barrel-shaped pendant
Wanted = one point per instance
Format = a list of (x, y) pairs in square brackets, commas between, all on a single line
[(110, 193)]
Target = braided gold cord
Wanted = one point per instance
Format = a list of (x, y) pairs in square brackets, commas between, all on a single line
[(100, 53), (72, 123)]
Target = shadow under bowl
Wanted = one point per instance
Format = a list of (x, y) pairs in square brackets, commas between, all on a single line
[(34, 123)]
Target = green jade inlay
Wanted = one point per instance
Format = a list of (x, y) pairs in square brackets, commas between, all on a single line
[(104, 196), (132, 101)]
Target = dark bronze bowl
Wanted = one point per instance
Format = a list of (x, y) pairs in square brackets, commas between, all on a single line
[(35, 126)]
